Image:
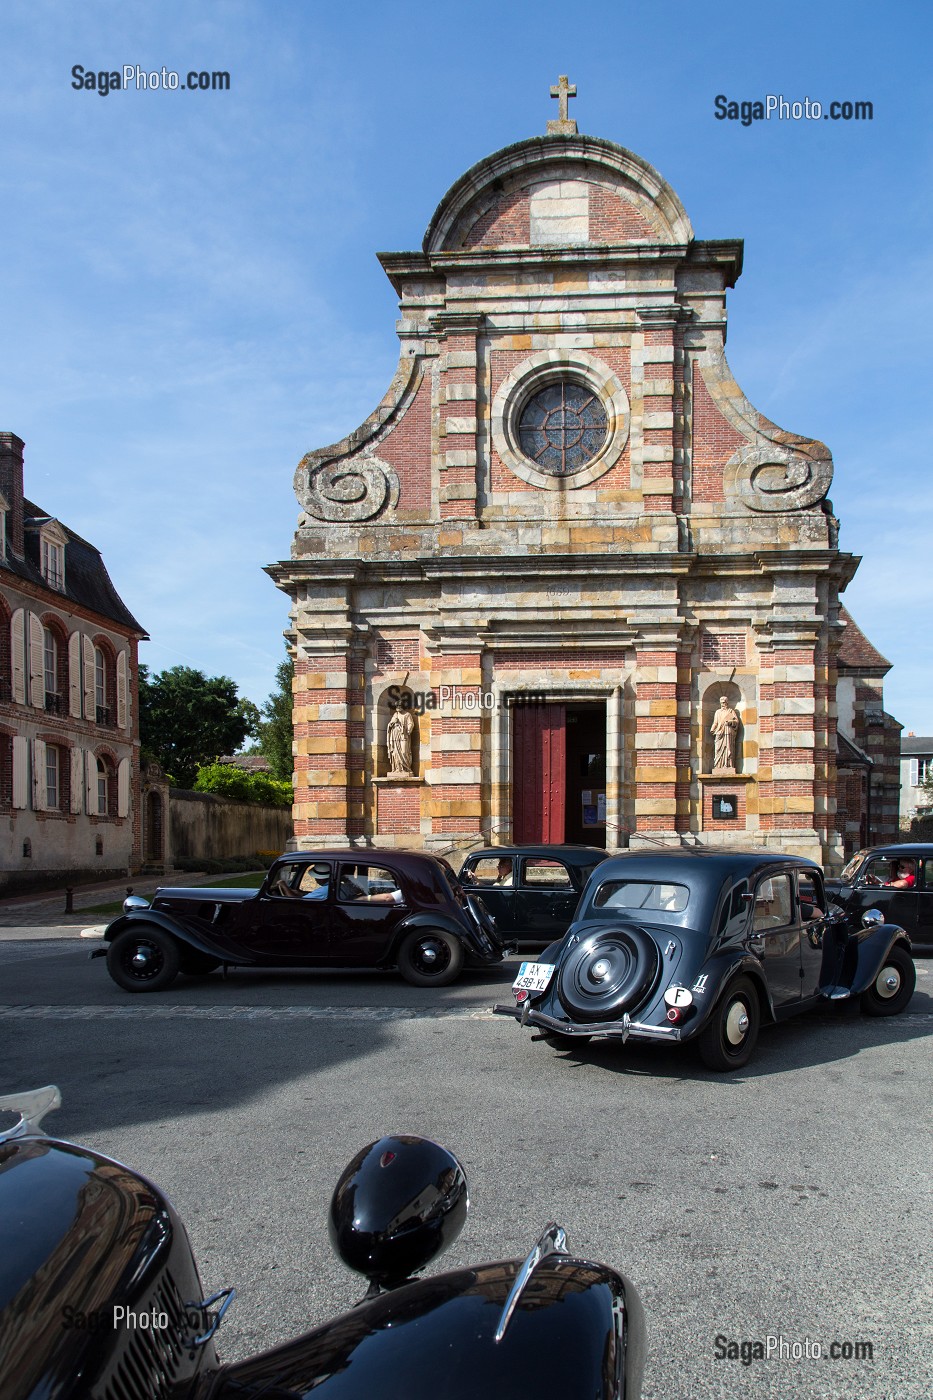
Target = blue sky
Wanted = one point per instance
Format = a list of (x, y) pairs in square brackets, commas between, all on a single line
[(191, 298)]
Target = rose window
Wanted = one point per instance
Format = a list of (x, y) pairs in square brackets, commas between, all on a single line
[(562, 427)]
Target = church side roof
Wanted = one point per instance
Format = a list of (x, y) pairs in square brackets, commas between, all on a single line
[(856, 652)]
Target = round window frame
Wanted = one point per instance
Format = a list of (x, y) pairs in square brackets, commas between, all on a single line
[(537, 373)]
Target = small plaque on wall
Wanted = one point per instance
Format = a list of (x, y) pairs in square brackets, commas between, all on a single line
[(725, 808)]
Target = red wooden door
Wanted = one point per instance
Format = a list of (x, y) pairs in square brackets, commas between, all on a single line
[(538, 773)]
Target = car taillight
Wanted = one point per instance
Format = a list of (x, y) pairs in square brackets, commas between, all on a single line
[(521, 995), (675, 1014)]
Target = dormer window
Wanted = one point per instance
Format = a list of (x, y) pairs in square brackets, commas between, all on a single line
[(53, 563)]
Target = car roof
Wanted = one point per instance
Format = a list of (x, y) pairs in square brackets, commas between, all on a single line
[(365, 856), (571, 855), (701, 864), (899, 848)]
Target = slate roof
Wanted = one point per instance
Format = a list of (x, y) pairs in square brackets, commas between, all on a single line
[(916, 744), (87, 581), (856, 652)]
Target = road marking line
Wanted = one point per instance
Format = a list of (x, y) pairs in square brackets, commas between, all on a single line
[(243, 1013)]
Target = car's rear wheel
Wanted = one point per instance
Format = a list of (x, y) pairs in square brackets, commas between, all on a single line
[(894, 986), (607, 973), (143, 959), (430, 958), (730, 1036)]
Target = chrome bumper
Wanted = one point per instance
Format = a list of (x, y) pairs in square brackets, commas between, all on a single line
[(623, 1030)]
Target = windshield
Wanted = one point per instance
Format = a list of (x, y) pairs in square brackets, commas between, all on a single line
[(849, 871), (641, 894)]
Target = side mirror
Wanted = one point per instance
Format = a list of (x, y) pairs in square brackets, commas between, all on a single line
[(397, 1205), (872, 918), (133, 903)]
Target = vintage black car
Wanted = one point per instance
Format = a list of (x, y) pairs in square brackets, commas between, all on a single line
[(100, 1297), (531, 891), (706, 945), (332, 908), (897, 879)]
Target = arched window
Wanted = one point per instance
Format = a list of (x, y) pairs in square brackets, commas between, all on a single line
[(53, 698), (106, 787), (103, 686)]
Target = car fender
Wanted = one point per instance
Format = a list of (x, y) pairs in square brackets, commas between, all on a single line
[(861, 958), (179, 931), (721, 972), (423, 920)]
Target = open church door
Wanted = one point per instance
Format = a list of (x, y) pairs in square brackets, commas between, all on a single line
[(539, 779)]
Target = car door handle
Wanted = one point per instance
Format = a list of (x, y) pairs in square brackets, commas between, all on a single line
[(757, 944)]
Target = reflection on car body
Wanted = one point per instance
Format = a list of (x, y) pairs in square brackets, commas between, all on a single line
[(707, 945), (330, 908)]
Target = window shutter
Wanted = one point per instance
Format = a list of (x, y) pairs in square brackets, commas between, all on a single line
[(36, 664), (90, 704), (121, 690), (39, 798), (77, 779), (90, 780), (74, 675), (20, 771), (123, 788), (914, 772), (18, 638)]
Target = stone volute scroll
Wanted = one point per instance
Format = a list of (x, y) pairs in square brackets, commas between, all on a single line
[(354, 489), (725, 732)]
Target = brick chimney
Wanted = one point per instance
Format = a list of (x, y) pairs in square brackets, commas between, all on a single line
[(11, 486)]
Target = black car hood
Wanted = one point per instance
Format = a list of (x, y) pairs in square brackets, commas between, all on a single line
[(436, 1338), (200, 894)]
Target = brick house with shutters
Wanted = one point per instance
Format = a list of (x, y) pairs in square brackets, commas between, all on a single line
[(605, 586), (69, 732)]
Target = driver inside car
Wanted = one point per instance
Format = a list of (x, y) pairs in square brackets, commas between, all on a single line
[(903, 876)]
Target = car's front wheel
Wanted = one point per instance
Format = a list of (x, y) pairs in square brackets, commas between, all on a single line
[(430, 958), (729, 1038), (894, 986), (143, 959)]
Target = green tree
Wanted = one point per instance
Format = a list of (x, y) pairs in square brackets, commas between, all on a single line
[(275, 730), (229, 781), (187, 719)]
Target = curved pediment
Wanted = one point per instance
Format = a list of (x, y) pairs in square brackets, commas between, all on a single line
[(558, 190)]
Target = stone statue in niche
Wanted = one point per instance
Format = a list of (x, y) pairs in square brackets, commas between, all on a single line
[(398, 742), (724, 729)]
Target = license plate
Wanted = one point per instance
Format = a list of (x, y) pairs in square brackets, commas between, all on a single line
[(533, 977)]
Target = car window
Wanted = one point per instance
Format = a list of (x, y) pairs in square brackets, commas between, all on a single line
[(491, 870), (641, 894), (926, 877), (811, 896), (849, 871), (880, 871), (773, 903), (546, 873), (370, 884)]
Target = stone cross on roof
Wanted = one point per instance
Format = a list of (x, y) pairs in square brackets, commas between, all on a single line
[(564, 126)]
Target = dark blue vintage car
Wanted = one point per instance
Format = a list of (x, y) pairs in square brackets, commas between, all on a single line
[(707, 945), (897, 879), (330, 908), (531, 891)]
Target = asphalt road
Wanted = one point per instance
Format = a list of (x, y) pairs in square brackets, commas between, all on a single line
[(791, 1200)]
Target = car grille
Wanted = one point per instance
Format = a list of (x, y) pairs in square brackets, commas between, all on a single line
[(148, 1361)]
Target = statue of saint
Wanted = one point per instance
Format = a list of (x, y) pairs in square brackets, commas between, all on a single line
[(724, 728), (398, 742)]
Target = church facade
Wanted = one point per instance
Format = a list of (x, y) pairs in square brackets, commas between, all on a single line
[(566, 583)]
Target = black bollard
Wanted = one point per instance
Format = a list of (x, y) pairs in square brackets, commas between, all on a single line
[(69, 900)]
